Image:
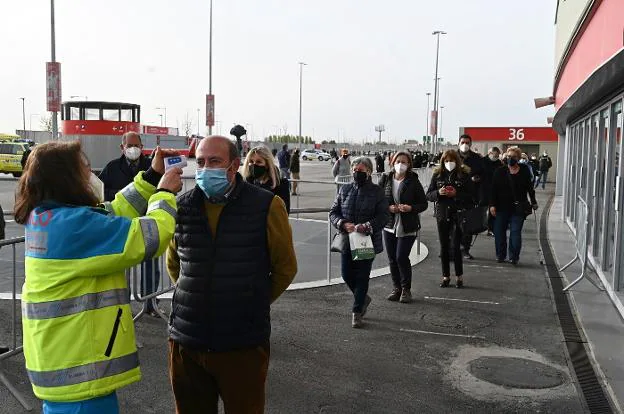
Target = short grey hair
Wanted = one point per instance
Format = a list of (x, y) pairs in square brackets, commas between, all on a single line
[(125, 136), (365, 161)]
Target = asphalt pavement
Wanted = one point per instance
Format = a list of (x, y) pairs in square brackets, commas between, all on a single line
[(493, 347)]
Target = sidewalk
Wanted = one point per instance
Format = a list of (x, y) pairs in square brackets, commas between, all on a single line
[(423, 357), (602, 324)]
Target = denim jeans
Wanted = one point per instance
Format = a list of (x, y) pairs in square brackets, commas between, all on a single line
[(150, 279), (514, 222), (398, 250), (107, 404), (542, 178), (356, 275)]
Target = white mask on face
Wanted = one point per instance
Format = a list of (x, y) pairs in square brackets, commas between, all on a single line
[(400, 168), (494, 157), (450, 165), (545, 155), (97, 187), (464, 147), (132, 153)]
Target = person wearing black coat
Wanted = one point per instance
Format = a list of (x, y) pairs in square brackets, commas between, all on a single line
[(491, 163), (116, 175), (359, 207), (260, 169), (474, 162), (379, 163), (511, 188), (452, 191), (406, 198)]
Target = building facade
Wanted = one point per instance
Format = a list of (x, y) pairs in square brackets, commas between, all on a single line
[(589, 94), (530, 140)]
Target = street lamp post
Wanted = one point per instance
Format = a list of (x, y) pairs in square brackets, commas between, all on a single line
[(301, 65), (427, 130), (160, 115), (437, 33), (163, 108), (197, 121), (210, 64), (24, 113), (380, 129)]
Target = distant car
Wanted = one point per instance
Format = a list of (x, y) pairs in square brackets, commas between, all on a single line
[(314, 155)]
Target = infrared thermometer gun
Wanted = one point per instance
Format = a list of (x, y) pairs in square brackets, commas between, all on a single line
[(177, 161)]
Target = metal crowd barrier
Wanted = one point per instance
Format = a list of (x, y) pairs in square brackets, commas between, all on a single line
[(142, 290), (13, 348)]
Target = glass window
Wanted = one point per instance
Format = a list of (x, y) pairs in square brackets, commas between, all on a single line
[(592, 153), (75, 114), (126, 115), (110, 114), (4, 149), (601, 180), (92, 114), (614, 166)]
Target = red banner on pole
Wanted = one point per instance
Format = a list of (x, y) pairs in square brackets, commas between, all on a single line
[(433, 129), (210, 106), (53, 86)]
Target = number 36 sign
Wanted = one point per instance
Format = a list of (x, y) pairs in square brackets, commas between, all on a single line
[(511, 134)]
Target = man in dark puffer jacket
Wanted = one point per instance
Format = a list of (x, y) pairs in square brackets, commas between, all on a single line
[(232, 256)]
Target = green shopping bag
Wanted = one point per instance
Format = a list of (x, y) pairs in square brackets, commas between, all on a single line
[(361, 246)]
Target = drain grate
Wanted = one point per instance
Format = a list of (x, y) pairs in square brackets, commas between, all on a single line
[(595, 396)]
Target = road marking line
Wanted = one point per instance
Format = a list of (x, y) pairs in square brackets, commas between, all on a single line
[(463, 300), (9, 295), (441, 334)]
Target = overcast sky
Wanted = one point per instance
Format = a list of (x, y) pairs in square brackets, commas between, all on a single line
[(369, 62)]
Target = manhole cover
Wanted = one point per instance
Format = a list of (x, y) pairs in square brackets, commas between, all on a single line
[(516, 373)]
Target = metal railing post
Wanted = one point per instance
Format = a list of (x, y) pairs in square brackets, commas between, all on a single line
[(329, 232)]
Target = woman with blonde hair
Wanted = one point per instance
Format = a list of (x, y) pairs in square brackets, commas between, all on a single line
[(451, 190), (259, 169)]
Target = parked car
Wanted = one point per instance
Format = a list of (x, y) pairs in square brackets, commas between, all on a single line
[(311, 154), (11, 154)]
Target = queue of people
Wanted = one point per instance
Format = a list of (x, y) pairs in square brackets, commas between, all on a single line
[(230, 251)]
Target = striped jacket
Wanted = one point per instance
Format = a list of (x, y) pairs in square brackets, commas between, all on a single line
[(79, 338)]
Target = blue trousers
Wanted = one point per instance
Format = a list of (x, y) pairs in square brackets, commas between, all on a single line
[(514, 222), (356, 274), (102, 405), (398, 250), (542, 178)]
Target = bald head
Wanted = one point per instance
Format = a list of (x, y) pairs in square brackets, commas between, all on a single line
[(131, 138), (218, 152)]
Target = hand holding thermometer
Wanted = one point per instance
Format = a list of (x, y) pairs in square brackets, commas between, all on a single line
[(176, 161)]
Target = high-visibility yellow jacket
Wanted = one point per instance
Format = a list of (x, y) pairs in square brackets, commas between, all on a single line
[(79, 338)]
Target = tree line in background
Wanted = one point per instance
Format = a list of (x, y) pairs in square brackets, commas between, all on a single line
[(288, 139)]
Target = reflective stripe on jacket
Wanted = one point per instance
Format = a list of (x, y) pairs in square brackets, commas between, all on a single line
[(79, 338)]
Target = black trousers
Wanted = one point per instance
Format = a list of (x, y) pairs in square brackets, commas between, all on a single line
[(450, 236)]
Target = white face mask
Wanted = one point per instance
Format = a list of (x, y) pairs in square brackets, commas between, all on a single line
[(97, 187), (450, 165), (464, 147), (400, 168), (545, 155), (494, 157), (132, 153)]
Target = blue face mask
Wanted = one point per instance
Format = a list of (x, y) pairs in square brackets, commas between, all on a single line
[(212, 181), (512, 161)]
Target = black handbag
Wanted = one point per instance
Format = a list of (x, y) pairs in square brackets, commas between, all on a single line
[(473, 221), (340, 243)]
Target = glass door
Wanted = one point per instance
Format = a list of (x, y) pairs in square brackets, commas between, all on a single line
[(600, 186), (614, 240)]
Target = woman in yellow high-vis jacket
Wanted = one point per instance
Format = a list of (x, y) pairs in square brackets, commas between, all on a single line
[(79, 341)]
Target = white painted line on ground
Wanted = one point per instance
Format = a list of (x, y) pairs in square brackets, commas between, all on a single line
[(9, 296), (441, 334), (463, 300), (9, 221), (305, 219)]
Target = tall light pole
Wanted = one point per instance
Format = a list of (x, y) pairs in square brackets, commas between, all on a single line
[(437, 33), (24, 113), (427, 130), (163, 108), (441, 108), (380, 129), (301, 65), (210, 64), (160, 115), (53, 50)]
